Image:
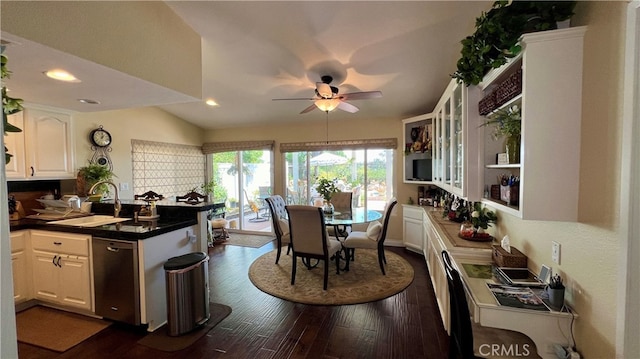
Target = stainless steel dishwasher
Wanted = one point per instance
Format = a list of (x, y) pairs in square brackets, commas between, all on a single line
[(116, 280)]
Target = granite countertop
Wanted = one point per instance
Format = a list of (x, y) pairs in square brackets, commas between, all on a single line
[(127, 230)]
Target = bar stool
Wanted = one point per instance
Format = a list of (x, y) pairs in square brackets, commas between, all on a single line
[(219, 229)]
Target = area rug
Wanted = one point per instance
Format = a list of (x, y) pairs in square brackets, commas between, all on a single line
[(247, 240), (161, 340), (361, 284), (55, 329)]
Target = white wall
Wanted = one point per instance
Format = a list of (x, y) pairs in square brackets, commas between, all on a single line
[(147, 123)]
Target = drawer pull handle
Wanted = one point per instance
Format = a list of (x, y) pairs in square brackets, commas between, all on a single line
[(58, 263), (57, 243), (32, 171)]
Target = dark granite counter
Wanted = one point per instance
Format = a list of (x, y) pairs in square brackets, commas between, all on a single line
[(173, 216)]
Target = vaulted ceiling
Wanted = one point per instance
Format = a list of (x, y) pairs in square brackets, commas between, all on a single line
[(253, 52)]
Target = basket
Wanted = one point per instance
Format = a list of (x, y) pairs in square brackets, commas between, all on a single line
[(515, 259), (509, 88), (487, 104)]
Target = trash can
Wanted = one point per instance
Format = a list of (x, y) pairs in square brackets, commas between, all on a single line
[(187, 279)]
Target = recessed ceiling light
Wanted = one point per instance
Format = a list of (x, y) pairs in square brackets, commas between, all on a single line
[(61, 75), (88, 101), (212, 102)]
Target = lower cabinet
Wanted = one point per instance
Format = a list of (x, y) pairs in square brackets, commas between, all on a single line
[(412, 228), (20, 267), (437, 272), (61, 269)]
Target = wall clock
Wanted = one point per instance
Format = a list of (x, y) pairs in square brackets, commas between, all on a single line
[(100, 141), (100, 137)]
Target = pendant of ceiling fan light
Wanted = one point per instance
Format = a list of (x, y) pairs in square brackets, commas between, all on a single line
[(327, 105)]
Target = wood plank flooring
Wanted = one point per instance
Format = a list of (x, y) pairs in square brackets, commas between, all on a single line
[(406, 325)]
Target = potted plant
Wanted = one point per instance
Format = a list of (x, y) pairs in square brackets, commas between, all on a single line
[(326, 188), (10, 105), (90, 175), (481, 217), (507, 124), (498, 33)]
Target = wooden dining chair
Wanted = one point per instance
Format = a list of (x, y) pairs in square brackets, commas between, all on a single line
[(462, 329), (280, 223), (372, 238), (309, 239)]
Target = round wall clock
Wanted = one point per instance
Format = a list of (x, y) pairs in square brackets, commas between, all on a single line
[(100, 137)]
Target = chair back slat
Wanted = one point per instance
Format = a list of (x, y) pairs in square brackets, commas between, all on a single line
[(342, 201)]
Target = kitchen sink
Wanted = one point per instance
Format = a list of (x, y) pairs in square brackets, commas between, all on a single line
[(90, 221)]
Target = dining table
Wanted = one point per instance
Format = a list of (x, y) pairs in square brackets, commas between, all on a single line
[(341, 220)]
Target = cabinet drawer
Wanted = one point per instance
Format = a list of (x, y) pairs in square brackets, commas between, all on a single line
[(412, 212), (60, 242)]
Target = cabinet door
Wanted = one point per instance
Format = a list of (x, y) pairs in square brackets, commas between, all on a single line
[(19, 267), (14, 142), (49, 144), (45, 276), (413, 234), (75, 285)]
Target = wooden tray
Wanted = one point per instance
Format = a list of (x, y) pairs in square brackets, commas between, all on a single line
[(481, 237)]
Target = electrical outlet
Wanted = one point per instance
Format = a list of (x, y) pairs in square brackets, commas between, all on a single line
[(124, 186), (555, 252)]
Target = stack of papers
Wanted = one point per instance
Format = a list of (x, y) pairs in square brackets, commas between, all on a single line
[(517, 297)]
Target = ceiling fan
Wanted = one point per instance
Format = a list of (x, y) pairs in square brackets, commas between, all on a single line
[(328, 99)]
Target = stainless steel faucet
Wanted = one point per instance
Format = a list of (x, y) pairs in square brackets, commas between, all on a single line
[(116, 204)]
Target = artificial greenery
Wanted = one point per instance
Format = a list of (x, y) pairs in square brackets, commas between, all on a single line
[(94, 173), (10, 105), (326, 188), (498, 33), (507, 122)]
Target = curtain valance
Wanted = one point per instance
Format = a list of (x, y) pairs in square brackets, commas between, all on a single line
[(216, 147), (377, 143)]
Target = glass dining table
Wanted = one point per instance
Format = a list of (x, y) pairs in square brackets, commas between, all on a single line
[(341, 220)]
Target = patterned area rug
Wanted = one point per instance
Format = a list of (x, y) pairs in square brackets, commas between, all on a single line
[(247, 240), (361, 284)]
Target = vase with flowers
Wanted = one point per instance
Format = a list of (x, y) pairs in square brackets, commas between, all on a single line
[(479, 220), (326, 188)]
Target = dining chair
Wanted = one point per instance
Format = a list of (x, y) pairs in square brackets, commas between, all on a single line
[(280, 223), (461, 328), (372, 238), (341, 203), (309, 239)]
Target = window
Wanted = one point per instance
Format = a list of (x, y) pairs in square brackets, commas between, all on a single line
[(368, 173), (166, 168)]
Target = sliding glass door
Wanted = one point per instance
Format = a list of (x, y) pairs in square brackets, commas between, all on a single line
[(243, 181)]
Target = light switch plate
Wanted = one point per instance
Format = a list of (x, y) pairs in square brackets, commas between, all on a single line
[(555, 252)]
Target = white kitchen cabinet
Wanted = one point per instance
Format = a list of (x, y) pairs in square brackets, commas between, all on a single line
[(457, 132), (20, 265), (412, 228), (44, 149), (551, 104), (418, 154), (61, 268)]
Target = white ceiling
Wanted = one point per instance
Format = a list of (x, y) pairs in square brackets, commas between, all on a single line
[(256, 51)]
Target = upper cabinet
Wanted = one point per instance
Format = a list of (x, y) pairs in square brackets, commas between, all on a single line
[(418, 156), (44, 148), (456, 167), (550, 102)]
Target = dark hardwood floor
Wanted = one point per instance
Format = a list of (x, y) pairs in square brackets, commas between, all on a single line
[(406, 325)]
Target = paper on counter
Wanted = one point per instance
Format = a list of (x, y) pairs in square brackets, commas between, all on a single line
[(505, 244)]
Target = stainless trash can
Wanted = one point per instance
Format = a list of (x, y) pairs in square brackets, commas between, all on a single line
[(187, 279)]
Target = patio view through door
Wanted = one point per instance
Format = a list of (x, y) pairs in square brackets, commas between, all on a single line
[(367, 173), (243, 181)]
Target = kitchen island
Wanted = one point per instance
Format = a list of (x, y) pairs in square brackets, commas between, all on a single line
[(181, 228)]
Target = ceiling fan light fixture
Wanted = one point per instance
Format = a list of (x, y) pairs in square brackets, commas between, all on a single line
[(327, 105)]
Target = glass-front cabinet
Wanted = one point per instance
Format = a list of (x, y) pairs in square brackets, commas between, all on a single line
[(419, 141), (457, 131)]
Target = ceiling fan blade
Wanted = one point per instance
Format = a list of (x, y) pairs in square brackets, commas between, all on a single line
[(309, 109), (295, 98), (345, 106), (361, 95)]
